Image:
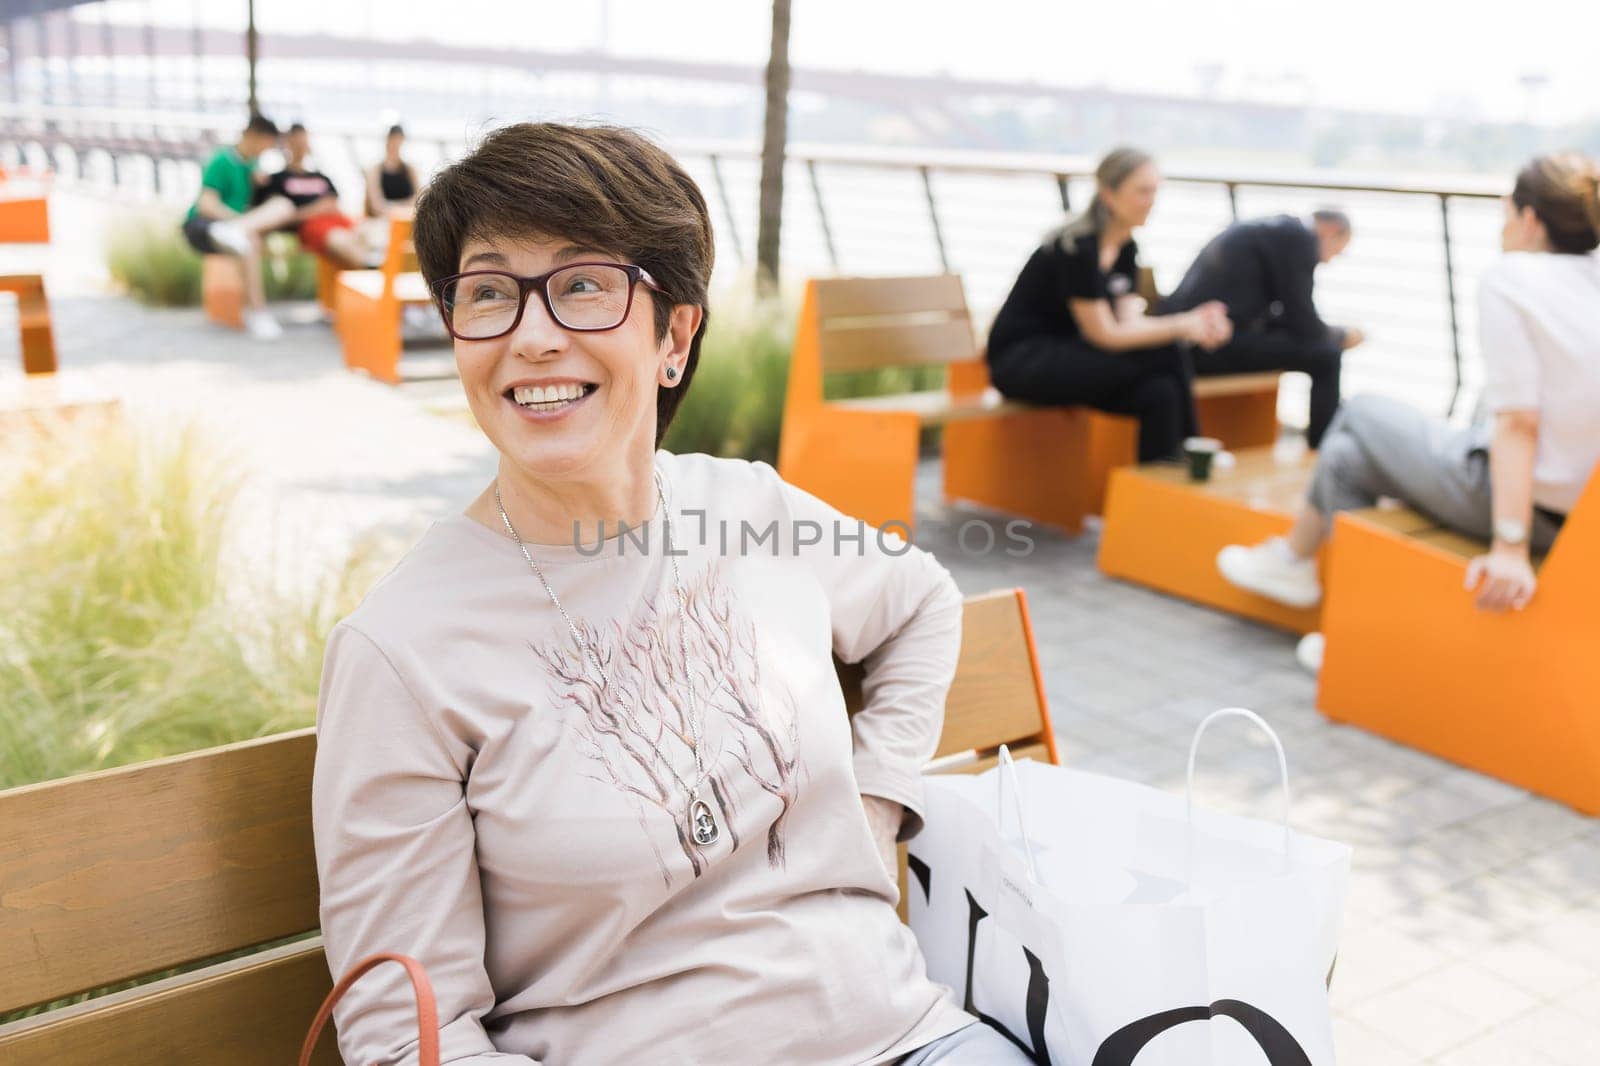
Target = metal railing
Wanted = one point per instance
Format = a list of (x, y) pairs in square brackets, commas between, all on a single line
[(1406, 279)]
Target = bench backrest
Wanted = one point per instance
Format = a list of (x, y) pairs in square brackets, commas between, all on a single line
[(401, 255), (111, 876), (1572, 569), (853, 324)]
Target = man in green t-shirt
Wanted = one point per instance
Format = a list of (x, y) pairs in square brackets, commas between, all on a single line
[(223, 222)]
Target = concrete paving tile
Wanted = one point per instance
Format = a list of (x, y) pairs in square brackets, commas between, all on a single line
[(1493, 1048), (1414, 1019), (1563, 1036), (1536, 969), (1354, 1042)]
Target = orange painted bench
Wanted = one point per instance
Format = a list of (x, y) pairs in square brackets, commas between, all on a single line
[(1050, 465), (35, 333), (1515, 696), (113, 876), (369, 306), (1164, 531)]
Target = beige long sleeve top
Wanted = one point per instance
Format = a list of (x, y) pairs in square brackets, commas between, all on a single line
[(483, 803)]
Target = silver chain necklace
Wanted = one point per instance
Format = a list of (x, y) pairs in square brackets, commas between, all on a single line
[(702, 822)]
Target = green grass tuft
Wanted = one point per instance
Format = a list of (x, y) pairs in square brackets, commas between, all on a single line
[(124, 634)]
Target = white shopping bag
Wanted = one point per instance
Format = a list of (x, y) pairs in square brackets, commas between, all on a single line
[(1099, 922)]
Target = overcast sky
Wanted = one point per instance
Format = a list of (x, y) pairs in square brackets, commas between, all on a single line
[(1410, 56)]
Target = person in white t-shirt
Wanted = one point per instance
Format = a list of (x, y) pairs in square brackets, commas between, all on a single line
[(1511, 479)]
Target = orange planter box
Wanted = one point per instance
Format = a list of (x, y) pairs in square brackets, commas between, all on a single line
[(1164, 531)]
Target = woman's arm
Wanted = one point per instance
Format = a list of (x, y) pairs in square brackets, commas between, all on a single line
[(375, 205), (396, 863), (1206, 326), (1504, 577), (892, 607)]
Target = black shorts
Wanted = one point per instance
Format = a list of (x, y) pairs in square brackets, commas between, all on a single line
[(197, 231)]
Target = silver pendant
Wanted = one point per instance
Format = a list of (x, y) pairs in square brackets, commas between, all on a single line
[(702, 823)]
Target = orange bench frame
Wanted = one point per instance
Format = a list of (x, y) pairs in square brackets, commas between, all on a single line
[(1164, 531), (1515, 695), (369, 306), (35, 332)]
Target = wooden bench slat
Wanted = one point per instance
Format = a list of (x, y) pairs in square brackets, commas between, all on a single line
[(1235, 384), (846, 297), (248, 1012), (1398, 519), (994, 699), (873, 346), (109, 876), (935, 408)]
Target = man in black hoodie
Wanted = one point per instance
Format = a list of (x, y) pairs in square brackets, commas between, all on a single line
[(1263, 270)]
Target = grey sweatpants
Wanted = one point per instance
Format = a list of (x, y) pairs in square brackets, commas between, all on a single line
[(976, 1045), (1377, 446)]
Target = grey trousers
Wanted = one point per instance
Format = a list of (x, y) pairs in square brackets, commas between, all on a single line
[(1377, 446), (976, 1045)]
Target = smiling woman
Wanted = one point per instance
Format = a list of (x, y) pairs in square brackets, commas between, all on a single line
[(604, 787)]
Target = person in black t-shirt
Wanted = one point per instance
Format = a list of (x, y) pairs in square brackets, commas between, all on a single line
[(320, 225), (1263, 269), (392, 184), (1074, 331)]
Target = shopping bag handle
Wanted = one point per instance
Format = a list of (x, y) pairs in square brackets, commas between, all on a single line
[(427, 1009), (1008, 773), (1188, 790)]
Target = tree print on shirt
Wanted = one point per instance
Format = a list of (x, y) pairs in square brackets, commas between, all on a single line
[(637, 733)]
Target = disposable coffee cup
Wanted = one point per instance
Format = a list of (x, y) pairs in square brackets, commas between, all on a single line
[(1201, 452)]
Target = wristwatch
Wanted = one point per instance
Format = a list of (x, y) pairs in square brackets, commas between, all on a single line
[(1510, 532)]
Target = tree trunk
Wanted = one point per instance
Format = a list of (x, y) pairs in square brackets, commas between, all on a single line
[(774, 137)]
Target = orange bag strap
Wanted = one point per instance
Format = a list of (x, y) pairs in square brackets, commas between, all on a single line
[(427, 1009)]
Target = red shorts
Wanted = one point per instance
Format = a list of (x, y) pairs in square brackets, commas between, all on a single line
[(314, 231)]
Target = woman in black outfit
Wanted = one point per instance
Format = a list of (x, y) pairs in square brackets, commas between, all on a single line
[(392, 184), (1073, 330)]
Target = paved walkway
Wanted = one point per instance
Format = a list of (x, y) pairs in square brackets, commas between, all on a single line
[(1472, 933)]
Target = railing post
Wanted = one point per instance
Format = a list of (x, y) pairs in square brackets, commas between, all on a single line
[(933, 216), (727, 208), (822, 215), (1450, 294), (1233, 200), (1066, 194)]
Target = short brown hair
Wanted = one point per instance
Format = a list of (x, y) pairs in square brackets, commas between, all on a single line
[(603, 187), (1564, 192)]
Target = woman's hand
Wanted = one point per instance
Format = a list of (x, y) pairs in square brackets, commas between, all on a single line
[(1208, 325), (883, 819), (1503, 579)]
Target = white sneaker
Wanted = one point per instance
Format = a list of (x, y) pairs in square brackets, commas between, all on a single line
[(262, 326), (230, 235), (1270, 569), (1309, 653)]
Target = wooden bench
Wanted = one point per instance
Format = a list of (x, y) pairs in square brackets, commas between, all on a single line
[(111, 876), (1164, 531), (25, 219), (1408, 655), (369, 306), (1047, 464), (35, 334), (222, 285)]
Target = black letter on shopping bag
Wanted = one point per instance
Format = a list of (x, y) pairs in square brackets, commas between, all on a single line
[(923, 874), (1122, 1046), (1038, 991)]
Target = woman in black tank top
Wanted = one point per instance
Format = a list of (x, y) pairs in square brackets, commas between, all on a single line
[(392, 184)]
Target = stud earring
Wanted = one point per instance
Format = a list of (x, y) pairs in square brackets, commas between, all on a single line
[(672, 373)]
